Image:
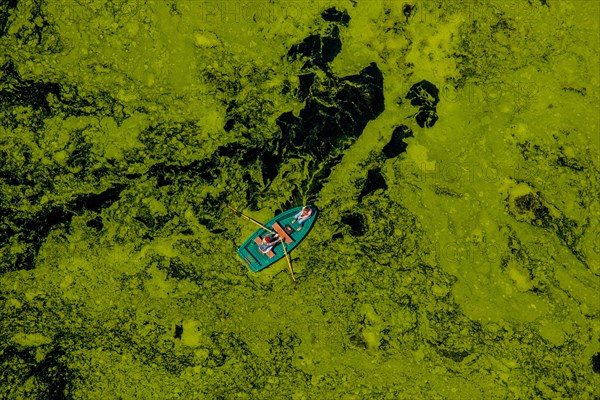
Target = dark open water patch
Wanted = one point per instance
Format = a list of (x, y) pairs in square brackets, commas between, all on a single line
[(334, 116), (356, 223), (334, 15), (397, 144), (424, 95), (372, 182), (596, 363), (318, 50)]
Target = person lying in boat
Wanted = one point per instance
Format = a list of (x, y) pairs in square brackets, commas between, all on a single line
[(303, 216), (268, 242)]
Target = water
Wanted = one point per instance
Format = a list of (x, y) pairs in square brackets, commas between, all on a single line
[(455, 259)]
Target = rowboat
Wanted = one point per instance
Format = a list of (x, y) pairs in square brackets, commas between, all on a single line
[(285, 227)]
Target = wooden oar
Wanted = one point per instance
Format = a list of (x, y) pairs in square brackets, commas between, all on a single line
[(250, 219), (287, 257)]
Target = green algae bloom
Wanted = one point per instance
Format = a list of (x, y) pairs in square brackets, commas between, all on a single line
[(450, 147)]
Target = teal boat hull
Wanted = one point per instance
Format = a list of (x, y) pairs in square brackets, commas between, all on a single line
[(255, 259)]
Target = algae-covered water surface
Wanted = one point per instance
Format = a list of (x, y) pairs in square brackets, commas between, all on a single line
[(451, 149)]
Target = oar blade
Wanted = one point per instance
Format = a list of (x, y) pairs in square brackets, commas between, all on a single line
[(289, 262)]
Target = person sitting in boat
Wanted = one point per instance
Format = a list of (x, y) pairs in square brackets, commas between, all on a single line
[(303, 216), (268, 242)]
